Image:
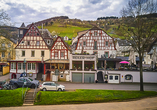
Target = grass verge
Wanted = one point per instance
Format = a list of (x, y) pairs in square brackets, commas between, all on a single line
[(11, 97), (88, 96)]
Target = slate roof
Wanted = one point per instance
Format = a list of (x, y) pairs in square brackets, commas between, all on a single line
[(123, 43), (46, 36), (23, 25)]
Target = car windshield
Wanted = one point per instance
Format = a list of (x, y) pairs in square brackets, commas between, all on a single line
[(30, 79)]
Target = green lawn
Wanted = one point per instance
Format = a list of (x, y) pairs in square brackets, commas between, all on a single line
[(88, 96), (11, 97)]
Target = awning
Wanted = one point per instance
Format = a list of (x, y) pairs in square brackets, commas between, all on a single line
[(56, 61), (4, 64), (109, 59)]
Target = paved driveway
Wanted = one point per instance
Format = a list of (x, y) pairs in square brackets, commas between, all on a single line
[(5, 77), (105, 86)]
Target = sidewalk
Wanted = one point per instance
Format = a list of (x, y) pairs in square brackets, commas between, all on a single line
[(143, 104), (5, 77)]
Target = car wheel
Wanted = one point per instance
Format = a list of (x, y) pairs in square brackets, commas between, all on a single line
[(13, 87), (44, 89), (32, 86), (16, 85), (59, 89)]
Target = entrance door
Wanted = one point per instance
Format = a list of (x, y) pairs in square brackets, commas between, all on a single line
[(100, 77), (40, 68), (48, 77)]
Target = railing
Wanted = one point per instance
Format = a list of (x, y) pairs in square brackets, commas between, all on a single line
[(35, 92), (23, 96)]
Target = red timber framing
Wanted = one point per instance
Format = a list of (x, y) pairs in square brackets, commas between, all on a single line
[(99, 36), (59, 50), (32, 39)]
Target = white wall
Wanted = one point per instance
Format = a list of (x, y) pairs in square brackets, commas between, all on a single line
[(28, 54), (148, 77)]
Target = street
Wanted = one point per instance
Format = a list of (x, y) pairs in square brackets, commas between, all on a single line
[(106, 86), (103, 86)]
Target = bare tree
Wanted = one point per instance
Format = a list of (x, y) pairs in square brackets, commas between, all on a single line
[(138, 26), (6, 36)]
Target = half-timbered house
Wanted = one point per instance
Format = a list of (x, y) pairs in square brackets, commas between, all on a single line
[(33, 48), (95, 40), (59, 60)]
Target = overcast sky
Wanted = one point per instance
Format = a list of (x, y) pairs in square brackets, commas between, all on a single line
[(29, 11)]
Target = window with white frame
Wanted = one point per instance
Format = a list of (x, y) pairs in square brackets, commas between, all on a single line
[(13, 65), (20, 66), (31, 66)]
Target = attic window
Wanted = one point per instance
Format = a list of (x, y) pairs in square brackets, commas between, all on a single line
[(28, 43), (95, 33), (48, 42), (22, 42), (37, 34), (38, 43)]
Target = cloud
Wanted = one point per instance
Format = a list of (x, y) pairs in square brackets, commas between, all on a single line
[(94, 1), (33, 11)]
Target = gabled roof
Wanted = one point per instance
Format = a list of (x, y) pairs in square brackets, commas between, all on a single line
[(23, 25), (94, 28), (123, 43), (67, 46), (27, 32)]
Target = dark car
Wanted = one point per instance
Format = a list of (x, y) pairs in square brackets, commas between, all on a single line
[(25, 81)]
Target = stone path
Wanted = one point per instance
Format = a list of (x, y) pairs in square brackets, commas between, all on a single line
[(143, 104)]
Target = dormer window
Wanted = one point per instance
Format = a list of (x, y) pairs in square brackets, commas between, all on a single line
[(21, 31)]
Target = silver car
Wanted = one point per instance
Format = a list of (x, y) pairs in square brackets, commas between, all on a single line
[(51, 86)]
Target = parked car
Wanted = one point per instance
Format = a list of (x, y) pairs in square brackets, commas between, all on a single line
[(25, 81), (51, 86)]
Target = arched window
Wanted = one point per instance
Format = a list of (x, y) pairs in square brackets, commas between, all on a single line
[(128, 77)]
